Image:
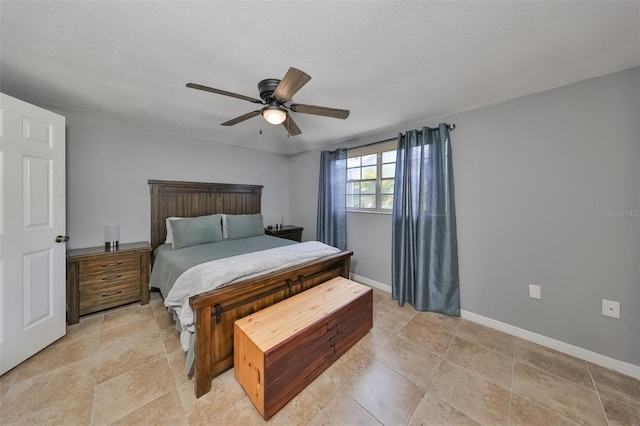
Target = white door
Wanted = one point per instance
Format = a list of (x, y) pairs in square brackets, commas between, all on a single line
[(32, 214)]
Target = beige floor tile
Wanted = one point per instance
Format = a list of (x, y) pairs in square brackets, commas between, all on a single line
[(308, 403), (59, 390), (432, 412), (71, 411), (350, 363), (124, 334), (88, 325), (184, 384), (177, 360), (617, 386), (60, 353), (132, 313), (343, 410), (554, 362), (7, 380), (120, 359), (164, 319), (155, 297), (164, 410), (380, 295), (170, 340), (241, 414), (448, 323), (493, 339), (225, 392), (385, 394), (389, 317), (59, 385), (126, 393), (528, 413), (558, 395), (410, 360), (422, 331), (472, 395), (620, 414), (482, 360)]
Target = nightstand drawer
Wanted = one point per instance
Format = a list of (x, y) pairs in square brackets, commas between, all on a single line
[(111, 278), (111, 263), (290, 235), (287, 231), (103, 296)]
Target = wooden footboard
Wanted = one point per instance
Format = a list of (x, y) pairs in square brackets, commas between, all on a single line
[(216, 311)]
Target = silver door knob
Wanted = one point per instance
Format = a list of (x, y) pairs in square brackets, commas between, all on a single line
[(62, 239)]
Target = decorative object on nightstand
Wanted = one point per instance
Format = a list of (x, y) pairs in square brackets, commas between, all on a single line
[(100, 278), (286, 231), (111, 237)]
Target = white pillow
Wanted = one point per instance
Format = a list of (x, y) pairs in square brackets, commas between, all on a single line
[(169, 239)]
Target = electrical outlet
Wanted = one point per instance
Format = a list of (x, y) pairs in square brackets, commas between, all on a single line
[(534, 291), (611, 308)]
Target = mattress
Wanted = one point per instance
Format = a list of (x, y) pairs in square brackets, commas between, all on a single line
[(169, 264)]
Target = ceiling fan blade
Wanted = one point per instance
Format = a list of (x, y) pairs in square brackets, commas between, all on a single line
[(242, 118), (292, 81), (318, 110), (291, 126), (223, 92)]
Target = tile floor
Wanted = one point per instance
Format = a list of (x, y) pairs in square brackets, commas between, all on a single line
[(125, 367)]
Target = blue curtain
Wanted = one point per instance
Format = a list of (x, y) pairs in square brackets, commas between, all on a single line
[(425, 250), (332, 199)]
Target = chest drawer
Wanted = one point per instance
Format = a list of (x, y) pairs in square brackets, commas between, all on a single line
[(109, 264)]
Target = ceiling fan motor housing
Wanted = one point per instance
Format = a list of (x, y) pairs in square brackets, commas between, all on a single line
[(267, 87)]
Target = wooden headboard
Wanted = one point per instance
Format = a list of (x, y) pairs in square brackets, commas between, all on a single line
[(190, 199)]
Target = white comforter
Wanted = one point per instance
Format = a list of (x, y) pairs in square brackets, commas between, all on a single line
[(210, 275)]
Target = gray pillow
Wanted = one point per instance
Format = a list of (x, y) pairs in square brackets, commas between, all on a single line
[(243, 226), (196, 230)]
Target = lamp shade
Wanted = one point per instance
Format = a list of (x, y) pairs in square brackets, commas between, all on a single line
[(274, 114), (111, 236)]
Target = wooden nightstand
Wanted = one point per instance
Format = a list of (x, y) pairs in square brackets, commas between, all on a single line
[(287, 231), (98, 279)]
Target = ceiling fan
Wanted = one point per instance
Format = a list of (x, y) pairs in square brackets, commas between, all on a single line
[(275, 94)]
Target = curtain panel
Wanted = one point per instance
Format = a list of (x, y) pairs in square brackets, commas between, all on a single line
[(332, 199), (425, 249)]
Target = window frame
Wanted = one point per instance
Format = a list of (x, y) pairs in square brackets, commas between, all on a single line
[(378, 149)]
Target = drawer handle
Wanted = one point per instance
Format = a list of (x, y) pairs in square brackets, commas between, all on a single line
[(112, 294), (105, 265), (111, 277)]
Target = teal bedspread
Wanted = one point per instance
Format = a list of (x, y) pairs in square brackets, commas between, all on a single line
[(169, 264)]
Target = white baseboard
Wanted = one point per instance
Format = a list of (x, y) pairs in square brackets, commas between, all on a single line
[(576, 351), (371, 283)]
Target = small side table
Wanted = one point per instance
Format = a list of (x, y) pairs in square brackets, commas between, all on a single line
[(99, 279), (289, 232)]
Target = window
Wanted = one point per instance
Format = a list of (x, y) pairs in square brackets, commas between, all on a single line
[(370, 177)]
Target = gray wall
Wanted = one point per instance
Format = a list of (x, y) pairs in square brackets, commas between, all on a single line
[(109, 163), (535, 178)]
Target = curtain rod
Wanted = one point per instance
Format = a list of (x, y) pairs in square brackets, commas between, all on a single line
[(451, 127)]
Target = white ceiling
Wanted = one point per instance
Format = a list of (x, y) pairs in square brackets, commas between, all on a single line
[(388, 62)]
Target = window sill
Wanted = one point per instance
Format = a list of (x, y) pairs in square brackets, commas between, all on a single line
[(383, 212)]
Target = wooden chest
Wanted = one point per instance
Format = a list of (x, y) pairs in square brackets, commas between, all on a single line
[(281, 349)]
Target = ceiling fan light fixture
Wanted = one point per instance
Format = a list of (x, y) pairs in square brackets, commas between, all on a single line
[(274, 114)]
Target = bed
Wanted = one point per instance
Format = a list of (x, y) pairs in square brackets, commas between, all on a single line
[(215, 311)]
